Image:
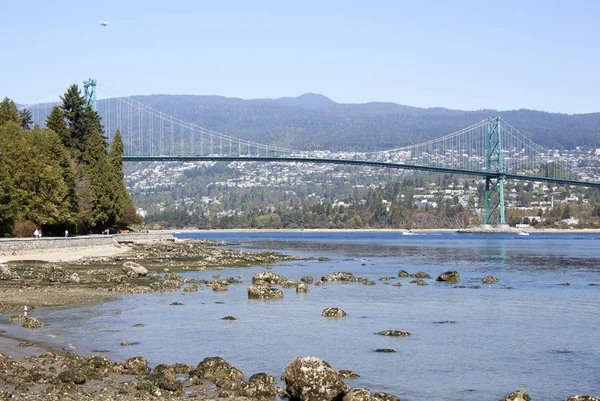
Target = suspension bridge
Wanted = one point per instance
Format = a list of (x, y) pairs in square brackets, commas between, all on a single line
[(491, 149)]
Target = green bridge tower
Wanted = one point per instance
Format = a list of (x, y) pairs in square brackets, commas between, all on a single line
[(494, 186), (89, 92)]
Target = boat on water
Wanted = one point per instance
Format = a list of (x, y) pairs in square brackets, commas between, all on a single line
[(525, 233), (407, 232)]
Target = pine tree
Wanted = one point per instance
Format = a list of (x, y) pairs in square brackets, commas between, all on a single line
[(8, 111), (5, 192), (127, 214), (103, 203), (25, 118), (81, 119), (56, 122)]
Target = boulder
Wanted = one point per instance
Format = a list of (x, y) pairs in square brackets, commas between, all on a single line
[(132, 269), (490, 280), (191, 288), (520, 395), (138, 365), (33, 323), (219, 286), (449, 277), (302, 288), (379, 396), (259, 386), (394, 333), (6, 273), (307, 280), (347, 374), (420, 275), (269, 277), (403, 273), (582, 398), (264, 293), (357, 394), (74, 375), (333, 312), (309, 378), (339, 276), (219, 372)]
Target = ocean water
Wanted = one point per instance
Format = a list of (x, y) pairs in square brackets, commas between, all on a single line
[(528, 331)]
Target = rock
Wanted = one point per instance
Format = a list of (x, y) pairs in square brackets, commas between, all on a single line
[(339, 276), (397, 284), (218, 371), (420, 275), (5, 273), (386, 350), (74, 278), (191, 288), (264, 293), (403, 273), (229, 318), (126, 344), (260, 386), (33, 323), (290, 284), (347, 374), (302, 288), (137, 365), (17, 318), (132, 269), (219, 286), (74, 375), (176, 303), (333, 312), (582, 398), (307, 280), (269, 277), (323, 259), (520, 395), (387, 278), (379, 396), (312, 379), (490, 280), (164, 378), (449, 277), (419, 281), (357, 394), (368, 282), (319, 284), (394, 333)]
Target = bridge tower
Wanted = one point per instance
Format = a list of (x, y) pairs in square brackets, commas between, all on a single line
[(89, 92), (494, 186)]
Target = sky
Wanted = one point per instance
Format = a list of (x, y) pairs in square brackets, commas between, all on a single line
[(467, 55)]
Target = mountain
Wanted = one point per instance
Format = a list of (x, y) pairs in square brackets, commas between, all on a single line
[(313, 121)]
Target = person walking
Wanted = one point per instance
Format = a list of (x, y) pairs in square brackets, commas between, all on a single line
[(36, 233), (66, 233)]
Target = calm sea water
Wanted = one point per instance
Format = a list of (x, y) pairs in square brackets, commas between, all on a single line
[(541, 336)]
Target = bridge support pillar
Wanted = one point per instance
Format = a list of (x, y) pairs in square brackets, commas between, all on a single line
[(494, 186), (89, 93)]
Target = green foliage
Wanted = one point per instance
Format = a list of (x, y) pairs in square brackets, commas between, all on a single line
[(81, 119), (56, 122), (8, 111), (5, 191)]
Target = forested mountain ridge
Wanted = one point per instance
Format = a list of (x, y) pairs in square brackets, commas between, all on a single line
[(312, 121)]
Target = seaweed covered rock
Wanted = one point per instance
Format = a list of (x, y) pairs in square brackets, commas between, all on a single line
[(358, 394), (267, 277), (333, 312), (264, 293), (449, 277), (490, 280), (259, 386), (138, 365), (133, 269), (218, 371), (309, 378), (520, 395), (394, 333), (339, 276)]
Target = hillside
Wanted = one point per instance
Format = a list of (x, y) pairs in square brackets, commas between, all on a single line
[(313, 121)]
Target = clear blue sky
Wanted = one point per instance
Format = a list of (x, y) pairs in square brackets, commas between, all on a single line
[(536, 54)]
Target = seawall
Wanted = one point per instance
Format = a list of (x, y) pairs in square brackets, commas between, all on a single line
[(16, 246)]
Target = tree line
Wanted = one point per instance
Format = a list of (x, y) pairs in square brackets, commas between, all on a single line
[(63, 177)]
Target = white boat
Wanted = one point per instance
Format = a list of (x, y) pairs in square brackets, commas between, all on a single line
[(407, 232), (523, 233)]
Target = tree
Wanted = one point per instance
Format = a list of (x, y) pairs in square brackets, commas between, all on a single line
[(56, 122), (5, 192), (81, 119), (104, 207), (127, 212), (25, 118), (8, 112)]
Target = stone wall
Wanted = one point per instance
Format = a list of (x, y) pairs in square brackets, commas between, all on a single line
[(15, 246)]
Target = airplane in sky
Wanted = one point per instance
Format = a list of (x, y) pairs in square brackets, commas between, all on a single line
[(104, 23)]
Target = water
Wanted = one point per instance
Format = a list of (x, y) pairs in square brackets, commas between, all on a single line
[(541, 336)]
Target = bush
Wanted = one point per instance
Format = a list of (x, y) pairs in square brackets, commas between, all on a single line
[(23, 228)]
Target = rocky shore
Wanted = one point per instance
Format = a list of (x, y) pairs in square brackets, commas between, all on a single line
[(153, 266)]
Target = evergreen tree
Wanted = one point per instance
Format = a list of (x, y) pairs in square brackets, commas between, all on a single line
[(104, 205), (25, 118), (81, 119), (5, 191), (8, 111), (127, 214), (56, 122)]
